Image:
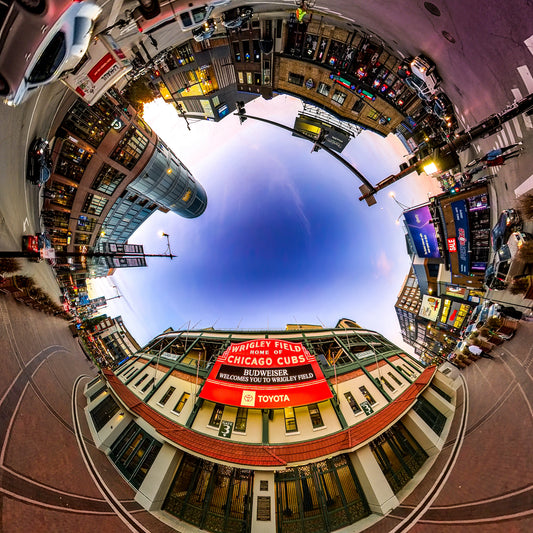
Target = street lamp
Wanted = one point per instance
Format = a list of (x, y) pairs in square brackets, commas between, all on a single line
[(168, 250)]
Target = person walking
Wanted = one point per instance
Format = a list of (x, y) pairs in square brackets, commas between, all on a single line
[(476, 350)]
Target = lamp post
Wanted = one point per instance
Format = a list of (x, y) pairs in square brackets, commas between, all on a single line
[(163, 234)]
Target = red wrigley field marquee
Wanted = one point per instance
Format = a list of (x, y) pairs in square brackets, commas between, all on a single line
[(266, 374)]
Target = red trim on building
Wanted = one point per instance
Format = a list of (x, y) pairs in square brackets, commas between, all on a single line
[(276, 455)]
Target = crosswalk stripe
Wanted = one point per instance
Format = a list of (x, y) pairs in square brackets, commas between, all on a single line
[(525, 74), (527, 121), (509, 133), (517, 94), (516, 125), (524, 187), (529, 43), (503, 138)]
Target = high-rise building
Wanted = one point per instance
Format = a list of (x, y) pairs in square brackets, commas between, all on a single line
[(110, 173), (303, 429)]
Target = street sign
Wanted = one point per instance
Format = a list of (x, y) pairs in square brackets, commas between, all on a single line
[(367, 408), (226, 428)]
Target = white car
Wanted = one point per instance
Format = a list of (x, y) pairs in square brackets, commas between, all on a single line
[(425, 69), (40, 41)]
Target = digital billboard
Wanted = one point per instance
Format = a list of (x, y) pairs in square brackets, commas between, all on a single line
[(422, 231), (266, 374)]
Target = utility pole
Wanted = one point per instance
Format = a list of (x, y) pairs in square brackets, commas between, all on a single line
[(317, 144), (445, 155)]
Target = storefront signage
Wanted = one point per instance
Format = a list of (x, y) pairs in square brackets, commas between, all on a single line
[(422, 231), (266, 374), (452, 245), (430, 307), (460, 217)]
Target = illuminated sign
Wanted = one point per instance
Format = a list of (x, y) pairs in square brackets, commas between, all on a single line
[(462, 232), (422, 231), (342, 81), (452, 245), (365, 94), (266, 374)]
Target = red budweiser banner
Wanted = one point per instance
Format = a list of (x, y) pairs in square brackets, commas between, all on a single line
[(266, 374)]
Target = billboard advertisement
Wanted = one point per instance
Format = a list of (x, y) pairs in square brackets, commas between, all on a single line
[(422, 231), (266, 374), (430, 307), (460, 217)]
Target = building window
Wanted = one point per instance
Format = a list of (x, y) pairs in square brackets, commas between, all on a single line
[(82, 238), (72, 161), (323, 89), (430, 415), (90, 124), (316, 417), (181, 404), (408, 370), (367, 395), (95, 395), (339, 97), (237, 52), (241, 419), (249, 78), (130, 148), (240, 75), (290, 420), (187, 196), (352, 403), (141, 380), (166, 396), (373, 114), (387, 384), (358, 106), (108, 179), (216, 415), (86, 224), (447, 397), (394, 378), (134, 453), (148, 385), (296, 79), (94, 204), (104, 412)]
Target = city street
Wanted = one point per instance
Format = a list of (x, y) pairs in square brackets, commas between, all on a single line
[(52, 478)]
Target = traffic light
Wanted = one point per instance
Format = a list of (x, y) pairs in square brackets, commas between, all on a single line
[(241, 111)]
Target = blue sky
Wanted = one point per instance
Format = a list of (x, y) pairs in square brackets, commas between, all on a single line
[(284, 237)]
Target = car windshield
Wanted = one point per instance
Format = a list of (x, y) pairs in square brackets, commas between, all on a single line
[(504, 253), (50, 59), (82, 26)]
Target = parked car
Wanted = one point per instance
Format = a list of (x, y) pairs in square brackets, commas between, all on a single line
[(441, 106), (205, 31), (235, 18), (39, 166), (425, 69), (508, 222), (189, 15), (507, 264), (40, 41), (35, 243), (419, 86)]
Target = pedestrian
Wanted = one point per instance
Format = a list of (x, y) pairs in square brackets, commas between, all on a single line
[(476, 350)]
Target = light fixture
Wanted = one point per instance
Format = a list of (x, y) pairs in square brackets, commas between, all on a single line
[(430, 168)]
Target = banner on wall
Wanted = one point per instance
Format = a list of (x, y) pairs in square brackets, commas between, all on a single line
[(266, 374)]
